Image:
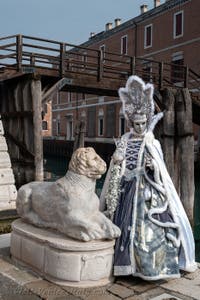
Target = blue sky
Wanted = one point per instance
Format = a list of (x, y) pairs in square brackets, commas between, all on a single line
[(64, 20)]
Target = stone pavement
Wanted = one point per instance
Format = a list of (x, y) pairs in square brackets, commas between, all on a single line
[(17, 283)]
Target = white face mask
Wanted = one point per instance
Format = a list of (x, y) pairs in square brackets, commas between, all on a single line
[(139, 126)]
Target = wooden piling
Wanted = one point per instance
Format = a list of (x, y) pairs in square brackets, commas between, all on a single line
[(79, 135), (37, 122), (178, 144), (185, 146), (169, 130)]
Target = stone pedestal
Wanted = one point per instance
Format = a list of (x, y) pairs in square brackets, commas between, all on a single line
[(60, 259)]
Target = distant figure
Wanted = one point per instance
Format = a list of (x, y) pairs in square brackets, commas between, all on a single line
[(69, 204), (156, 238)]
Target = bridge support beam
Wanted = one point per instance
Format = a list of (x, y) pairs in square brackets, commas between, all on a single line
[(178, 144)]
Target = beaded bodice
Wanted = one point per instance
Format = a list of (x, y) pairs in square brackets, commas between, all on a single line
[(132, 151)]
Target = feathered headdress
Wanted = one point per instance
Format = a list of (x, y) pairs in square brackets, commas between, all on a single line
[(137, 99)]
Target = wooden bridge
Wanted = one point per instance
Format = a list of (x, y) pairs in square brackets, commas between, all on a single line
[(85, 68), (31, 69)]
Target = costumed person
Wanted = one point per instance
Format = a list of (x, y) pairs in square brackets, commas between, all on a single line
[(156, 237)]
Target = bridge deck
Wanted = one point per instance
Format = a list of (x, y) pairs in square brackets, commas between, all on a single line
[(89, 70)]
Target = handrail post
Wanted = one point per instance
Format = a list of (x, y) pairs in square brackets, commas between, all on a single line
[(161, 75), (186, 75), (19, 44), (32, 59), (100, 66), (62, 59), (132, 65)]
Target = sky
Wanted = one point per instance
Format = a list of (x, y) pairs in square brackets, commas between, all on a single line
[(64, 20)]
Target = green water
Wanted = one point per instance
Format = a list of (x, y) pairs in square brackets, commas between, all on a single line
[(56, 167)]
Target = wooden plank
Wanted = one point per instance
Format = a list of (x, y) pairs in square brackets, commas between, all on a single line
[(19, 144)]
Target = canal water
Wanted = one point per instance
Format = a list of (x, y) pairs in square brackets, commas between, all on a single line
[(55, 167)]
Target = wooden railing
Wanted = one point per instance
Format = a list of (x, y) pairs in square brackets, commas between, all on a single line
[(20, 53)]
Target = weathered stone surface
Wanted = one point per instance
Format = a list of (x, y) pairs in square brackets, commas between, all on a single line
[(143, 287), (5, 240), (68, 297), (45, 289), (73, 206), (60, 259), (21, 297), (8, 194), (4, 160), (102, 297), (5, 266), (8, 191), (166, 297), (86, 292), (147, 295), (6, 176), (121, 291), (190, 288), (9, 289), (3, 145), (1, 128), (193, 275), (21, 277)]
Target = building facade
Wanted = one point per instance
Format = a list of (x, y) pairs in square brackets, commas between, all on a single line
[(170, 32)]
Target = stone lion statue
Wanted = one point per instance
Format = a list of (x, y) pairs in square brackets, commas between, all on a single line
[(69, 204)]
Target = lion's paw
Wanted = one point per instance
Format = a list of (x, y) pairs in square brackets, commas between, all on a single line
[(111, 230)]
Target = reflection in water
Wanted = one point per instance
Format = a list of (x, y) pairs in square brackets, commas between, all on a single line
[(56, 167)]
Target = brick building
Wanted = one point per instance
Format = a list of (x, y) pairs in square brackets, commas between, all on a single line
[(170, 32)]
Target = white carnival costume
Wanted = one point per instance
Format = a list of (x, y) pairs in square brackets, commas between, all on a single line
[(156, 239)]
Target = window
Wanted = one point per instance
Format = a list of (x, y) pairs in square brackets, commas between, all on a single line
[(58, 127), (101, 122), (102, 50), (100, 133), (69, 127), (45, 108), (148, 36), (58, 97), (178, 24), (84, 60), (122, 125), (124, 45), (44, 125), (69, 97)]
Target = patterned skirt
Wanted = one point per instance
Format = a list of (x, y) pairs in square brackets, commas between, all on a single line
[(143, 249)]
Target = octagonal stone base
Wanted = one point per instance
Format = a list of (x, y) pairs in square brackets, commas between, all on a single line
[(60, 259)]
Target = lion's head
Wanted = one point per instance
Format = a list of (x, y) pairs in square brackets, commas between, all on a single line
[(86, 161)]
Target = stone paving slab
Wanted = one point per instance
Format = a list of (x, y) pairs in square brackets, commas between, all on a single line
[(9, 289), (46, 289), (5, 240), (121, 291), (18, 283), (187, 287)]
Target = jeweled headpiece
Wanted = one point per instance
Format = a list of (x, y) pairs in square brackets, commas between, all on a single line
[(137, 99)]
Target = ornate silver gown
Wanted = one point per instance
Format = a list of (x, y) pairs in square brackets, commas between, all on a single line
[(156, 238)]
